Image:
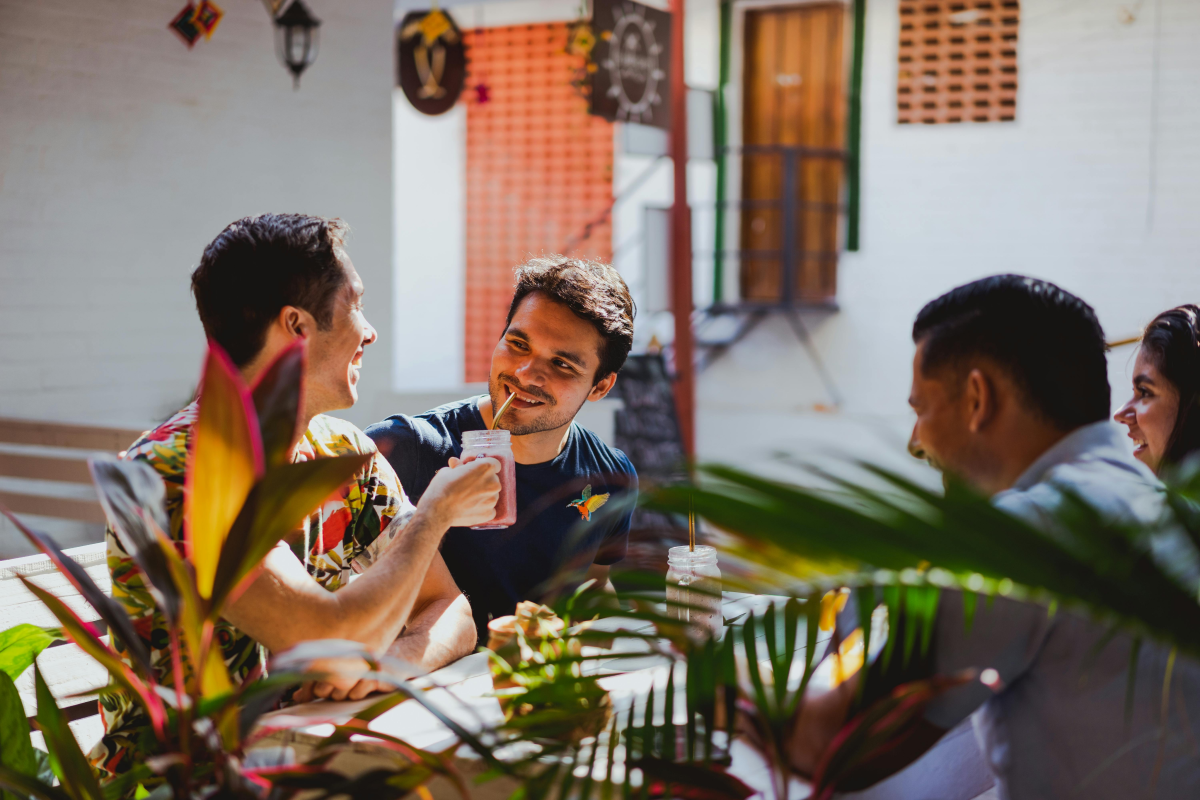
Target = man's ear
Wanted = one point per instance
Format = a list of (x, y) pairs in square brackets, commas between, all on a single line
[(294, 321), (602, 387), (980, 397)]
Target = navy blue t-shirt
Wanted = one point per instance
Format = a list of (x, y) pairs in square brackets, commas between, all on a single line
[(496, 569)]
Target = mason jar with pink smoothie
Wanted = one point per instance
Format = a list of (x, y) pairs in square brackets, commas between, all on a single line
[(498, 445)]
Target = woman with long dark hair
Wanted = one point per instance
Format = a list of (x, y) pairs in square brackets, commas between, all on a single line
[(1162, 416)]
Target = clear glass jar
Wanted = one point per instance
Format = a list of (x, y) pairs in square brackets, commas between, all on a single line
[(694, 588), (497, 445)]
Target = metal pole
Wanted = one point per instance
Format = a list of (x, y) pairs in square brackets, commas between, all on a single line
[(721, 135), (681, 243), (790, 163), (854, 128)]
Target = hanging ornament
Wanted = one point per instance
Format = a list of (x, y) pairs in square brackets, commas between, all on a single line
[(207, 18), (184, 25), (273, 7), (432, 61), (296, 39)]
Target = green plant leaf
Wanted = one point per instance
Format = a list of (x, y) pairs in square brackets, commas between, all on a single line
[(134, 497), (275, 506), (749, 646), (891, 598), (22, 784), (811, 626), (224, 463), (16, 751), (88, 639), (20, 646), (865, 603), (194, 628), (1135, 652), (67, 760), (128, 784), (278, 397), (109, 610)]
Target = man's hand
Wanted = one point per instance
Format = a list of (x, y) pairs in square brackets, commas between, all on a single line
[(462, 495), (341, 682)]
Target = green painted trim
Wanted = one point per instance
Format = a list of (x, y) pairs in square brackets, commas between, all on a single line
[(721, 135), (854, 129)]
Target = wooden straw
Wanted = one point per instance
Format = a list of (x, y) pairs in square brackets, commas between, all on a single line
[(503, 408), (691, 527)]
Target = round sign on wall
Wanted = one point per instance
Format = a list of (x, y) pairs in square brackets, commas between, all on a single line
[(431, 62), (633, 56)]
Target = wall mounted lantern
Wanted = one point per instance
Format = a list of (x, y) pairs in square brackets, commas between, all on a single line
[(296, 39)]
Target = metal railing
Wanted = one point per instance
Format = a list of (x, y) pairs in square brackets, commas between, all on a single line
[(795, 241)]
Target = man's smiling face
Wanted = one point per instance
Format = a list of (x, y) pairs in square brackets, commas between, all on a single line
[(335, 353), (548, 357)]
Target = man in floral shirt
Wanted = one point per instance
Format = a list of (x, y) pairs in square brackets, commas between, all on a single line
[(263, 282)]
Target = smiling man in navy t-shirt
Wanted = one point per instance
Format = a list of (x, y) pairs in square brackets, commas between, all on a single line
[(569, 329)]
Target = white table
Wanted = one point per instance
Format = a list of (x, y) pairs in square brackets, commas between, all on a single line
[(460, 691)]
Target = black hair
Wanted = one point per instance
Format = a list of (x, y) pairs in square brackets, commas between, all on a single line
[(1172, 341), (1046, 340), (258, 265), (594, 291)]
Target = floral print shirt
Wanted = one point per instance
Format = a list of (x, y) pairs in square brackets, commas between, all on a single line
[(345, 534)]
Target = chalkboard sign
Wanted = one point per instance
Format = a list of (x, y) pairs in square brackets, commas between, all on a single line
[(632, 81), (647, 430)]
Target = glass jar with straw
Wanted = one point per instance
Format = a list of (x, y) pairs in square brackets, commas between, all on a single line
[(694, 585)]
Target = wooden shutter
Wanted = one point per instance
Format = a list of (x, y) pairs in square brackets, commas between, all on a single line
[(958, 61)]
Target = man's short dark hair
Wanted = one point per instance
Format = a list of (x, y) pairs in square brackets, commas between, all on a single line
[(258, 265), (1047, 340), (593, 290)]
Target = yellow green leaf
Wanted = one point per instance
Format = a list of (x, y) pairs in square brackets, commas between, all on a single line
[(226, 460)]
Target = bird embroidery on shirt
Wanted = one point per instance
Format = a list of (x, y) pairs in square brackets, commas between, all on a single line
[(587, 504)]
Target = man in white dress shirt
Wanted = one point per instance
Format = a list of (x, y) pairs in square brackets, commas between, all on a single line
[(1011, 394)]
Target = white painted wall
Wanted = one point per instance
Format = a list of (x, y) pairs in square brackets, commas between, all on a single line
[(122, 153), (1096, 187), (429, 251)]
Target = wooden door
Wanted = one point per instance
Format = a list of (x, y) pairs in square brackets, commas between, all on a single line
[(793, 97)]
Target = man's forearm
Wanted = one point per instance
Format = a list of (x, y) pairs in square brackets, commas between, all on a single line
[(438, 634), (376, 606)]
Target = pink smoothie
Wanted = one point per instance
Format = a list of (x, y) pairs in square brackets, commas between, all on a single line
[(506, 506)]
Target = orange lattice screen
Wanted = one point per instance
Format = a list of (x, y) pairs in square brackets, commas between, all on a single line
[(539, 169), (958, 61)]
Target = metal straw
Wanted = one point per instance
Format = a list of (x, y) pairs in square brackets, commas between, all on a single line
[(691, 526), (503, 408)]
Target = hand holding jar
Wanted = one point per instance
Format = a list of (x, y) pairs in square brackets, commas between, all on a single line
[(496, 445), (463, 494)]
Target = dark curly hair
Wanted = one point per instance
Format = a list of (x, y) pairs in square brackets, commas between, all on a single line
[(1172, 342), (593, 290), (258, 265), (1046, 339)]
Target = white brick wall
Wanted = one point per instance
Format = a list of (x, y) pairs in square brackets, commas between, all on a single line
[(122, 153), (1061, 194)]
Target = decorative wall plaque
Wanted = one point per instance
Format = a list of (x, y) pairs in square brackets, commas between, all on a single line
[(431, 60), (632, 81), (184, 25)]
